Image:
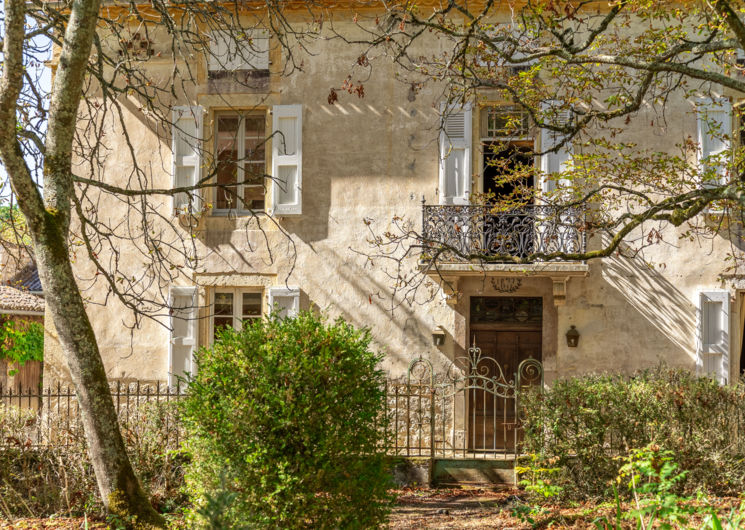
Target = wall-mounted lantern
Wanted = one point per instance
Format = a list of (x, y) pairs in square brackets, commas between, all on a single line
[(438, 336), (572, 337)]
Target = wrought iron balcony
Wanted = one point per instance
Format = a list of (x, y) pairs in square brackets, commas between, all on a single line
[(464, 233)]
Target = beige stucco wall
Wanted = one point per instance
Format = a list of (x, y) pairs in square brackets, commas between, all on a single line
[(374, 158)]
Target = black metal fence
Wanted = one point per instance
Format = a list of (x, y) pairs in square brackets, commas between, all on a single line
[(52, 416), (471, 410)]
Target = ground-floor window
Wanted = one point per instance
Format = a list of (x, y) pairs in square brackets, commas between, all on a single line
[(233, 307)]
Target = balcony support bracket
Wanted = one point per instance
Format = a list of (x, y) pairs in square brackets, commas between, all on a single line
[(560, 289), (449, 286)]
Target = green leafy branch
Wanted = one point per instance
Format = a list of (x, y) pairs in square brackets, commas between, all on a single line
[(21, 341)]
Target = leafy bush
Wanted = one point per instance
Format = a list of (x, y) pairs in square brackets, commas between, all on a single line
[(281, 424), (583, 425), (21, 341)]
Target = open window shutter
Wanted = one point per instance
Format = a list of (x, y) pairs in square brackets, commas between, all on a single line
[(714, 118), (287, 160), (184, 329), (187, 156), (284, 301), (219, 55), (714, 334), (455, 155), (555, 161), (239, 50)]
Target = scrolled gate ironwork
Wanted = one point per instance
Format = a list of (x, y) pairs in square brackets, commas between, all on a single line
[(469, 410)]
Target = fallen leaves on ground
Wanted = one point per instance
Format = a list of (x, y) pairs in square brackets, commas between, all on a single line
[(484, 508), (442, 508), (57, 523)]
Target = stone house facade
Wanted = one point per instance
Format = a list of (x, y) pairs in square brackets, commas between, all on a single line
[(351, 167)]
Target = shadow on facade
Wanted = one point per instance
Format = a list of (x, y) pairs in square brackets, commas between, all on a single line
[(666, 311), (365, 301)]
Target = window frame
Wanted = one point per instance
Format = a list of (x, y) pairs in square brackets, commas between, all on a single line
[(237, 293), (484, 111), (240, 140), (528, 141)]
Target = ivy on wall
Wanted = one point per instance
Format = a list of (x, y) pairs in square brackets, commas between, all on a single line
[(21, 341)]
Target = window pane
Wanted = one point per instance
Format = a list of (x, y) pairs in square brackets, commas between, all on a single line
[(227, 156), (252, 304), (253, 197), (222, 322), (254, 126), (223, 311), (255, 151), (227, 173), (227, 132), (241, 163), (224, 304)]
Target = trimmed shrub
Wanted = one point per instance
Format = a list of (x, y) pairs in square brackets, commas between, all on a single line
[(581, 426), (281, 425)]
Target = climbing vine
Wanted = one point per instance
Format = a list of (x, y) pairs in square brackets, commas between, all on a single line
[(21, 341)]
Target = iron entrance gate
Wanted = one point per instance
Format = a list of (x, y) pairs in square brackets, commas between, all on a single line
[(471, 410)]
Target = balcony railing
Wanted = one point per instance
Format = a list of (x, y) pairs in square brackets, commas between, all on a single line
[(462, 233)]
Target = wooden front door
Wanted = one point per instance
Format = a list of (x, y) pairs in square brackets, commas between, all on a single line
[(491, 417)]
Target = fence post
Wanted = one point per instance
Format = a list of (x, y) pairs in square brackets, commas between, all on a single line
[(385, 416), (432, 391), (395, 419), (515, 428)]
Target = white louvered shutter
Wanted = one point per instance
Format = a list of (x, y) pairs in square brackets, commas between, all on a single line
[(184, 329), (455, 155), (186, 140), (555, 161), (239, 50), (714, 118), (284, 301), (287, 160), (714, 334)]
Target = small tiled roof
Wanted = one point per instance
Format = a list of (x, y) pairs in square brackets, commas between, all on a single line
[(12, 299), (27, 280)]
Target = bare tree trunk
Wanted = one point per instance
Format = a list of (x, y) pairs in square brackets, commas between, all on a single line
[(119, 488), (48, 221)]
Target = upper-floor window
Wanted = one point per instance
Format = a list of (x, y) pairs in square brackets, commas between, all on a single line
[(241, 161), (507, 151), (238, 50)]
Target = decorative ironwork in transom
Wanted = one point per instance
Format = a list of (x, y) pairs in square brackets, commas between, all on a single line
[(506, 309)]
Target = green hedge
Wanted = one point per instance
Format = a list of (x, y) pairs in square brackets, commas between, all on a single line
[(282, 427), (581, 425)]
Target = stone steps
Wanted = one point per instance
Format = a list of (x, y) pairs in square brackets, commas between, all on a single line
[(454, 472)]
